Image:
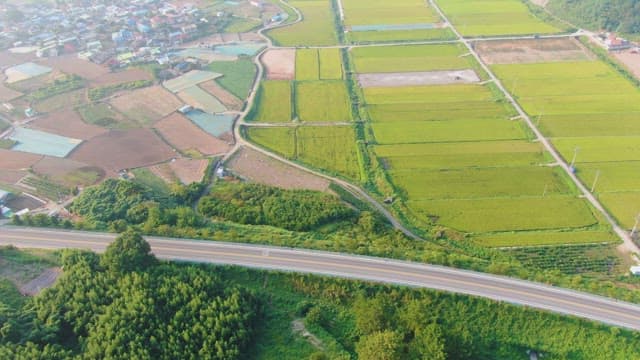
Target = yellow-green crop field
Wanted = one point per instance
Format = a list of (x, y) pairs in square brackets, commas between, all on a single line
[(457, 156), (589, 111), (331, 148), (406, 58), (375, 12), (363, 37), (538, 238), (493, 17), (274, 102), (322, 101), (317, 29), (318, 64)]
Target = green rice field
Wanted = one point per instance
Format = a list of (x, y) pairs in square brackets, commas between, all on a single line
[(374, 12), (493, 17), (537, 238), (322, 101), (405, 58), (589, 111), (274, 102), (317, 29), (331, 148), (357, 37), (318, 64)]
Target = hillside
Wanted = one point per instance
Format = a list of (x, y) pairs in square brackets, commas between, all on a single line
[(612, 15)]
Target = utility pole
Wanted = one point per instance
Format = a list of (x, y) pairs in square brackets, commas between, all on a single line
[(595, 181)]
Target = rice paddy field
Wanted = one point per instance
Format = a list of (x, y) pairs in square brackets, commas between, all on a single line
[(274, 102), (380, 20), (493, 17), (318, 64), (317, 29), (455, 156), (322, 101), (409, 58), (590, 112), (331, 148)]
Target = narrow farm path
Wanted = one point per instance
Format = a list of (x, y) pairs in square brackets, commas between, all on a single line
[(630, 246)]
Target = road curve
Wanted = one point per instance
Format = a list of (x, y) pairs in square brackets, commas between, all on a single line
[(499, 288)]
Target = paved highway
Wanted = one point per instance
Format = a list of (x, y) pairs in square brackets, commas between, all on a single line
[(353, 267)]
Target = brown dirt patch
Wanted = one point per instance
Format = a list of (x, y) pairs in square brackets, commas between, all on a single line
[(43, 281), (630, 60), (7, 59), (56, 167), (418, 78), (531, 51), (117, 150), (146, 105), (280, 64), (7, 94), (262, 169), (122, 77), (70, 64), (215, 39), (189, 170), (11, 176), (185, 135), (67, 123), (228, 99), (250, 36), (230, 37), (16, 160)]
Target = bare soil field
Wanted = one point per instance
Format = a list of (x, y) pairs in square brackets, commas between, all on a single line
[(185, 135), (70, 64), (118, 150), (189, 170), (11, 176), (250, 36), (24, 202), (146, 105), (128, 75), (7, 59), (56, 167), (230, 37), (228, 99), (7, 94), (630, 60), (16, 160), (215, 39), (34, 83), (43, 281), (418, 78), (280, 64), (262, 169), (531, 51), (67, 123)]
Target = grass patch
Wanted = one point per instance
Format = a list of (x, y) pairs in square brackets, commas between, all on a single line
[(47, 188), (573, 259), (108, 90), (146, 177), (241, 25), (280, 140), (7, 143), (238, 76), (364, 37), (101, 114), (58, 86)]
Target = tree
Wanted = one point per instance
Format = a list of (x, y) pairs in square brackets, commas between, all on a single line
[(129, 252), (372, 315), (429, 343), (381, 345)]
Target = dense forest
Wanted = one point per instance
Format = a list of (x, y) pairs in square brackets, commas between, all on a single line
[(298, 210), (611, 15), (125, 304)]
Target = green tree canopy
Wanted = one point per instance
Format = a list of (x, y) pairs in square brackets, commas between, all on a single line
[(129, 252)]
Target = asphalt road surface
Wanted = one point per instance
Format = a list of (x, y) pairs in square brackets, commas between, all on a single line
[(352, 267)]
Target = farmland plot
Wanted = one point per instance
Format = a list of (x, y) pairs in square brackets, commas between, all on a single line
[(322, 101), (274, 102), (317, 29), (410, 58), (318, 64), (590, 113), (493, 17)]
